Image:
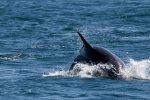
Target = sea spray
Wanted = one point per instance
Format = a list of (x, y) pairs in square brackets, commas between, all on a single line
[(82, 70), (133, 69), (137, 69)]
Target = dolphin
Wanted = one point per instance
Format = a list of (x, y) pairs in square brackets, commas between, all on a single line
[(98, 55)]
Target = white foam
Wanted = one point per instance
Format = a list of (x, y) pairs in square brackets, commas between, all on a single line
[(137, 69), (86, 71), (80, 70), (89, 71), (56, 73), (133, 69)]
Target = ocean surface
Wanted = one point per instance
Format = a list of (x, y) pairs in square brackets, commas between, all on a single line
[(38, 43)]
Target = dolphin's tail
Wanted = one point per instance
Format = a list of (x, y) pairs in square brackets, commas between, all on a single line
[(86, 44)]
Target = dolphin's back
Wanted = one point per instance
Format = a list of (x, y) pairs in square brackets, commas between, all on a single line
[(100, 55), (108, 57), (96, 55)]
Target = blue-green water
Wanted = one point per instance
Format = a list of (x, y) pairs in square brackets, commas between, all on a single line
[(38, 39)]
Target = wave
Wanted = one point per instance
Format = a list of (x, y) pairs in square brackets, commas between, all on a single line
[(139, 69), (13, 57)]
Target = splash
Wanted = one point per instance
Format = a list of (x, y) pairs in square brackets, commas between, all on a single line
[(133, 69), (81, 70), (137, 69), (89, 71)]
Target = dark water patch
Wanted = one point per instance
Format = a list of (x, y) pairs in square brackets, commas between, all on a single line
[(26, 18)]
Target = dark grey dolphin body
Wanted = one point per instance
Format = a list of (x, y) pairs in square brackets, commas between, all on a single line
[(95, 55)]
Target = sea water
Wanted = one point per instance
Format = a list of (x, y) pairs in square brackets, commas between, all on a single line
[(38, 43)]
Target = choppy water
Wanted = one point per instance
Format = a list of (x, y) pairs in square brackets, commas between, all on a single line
[(38, 42)]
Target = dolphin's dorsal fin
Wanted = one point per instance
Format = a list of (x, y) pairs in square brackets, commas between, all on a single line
[(86, 44)]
